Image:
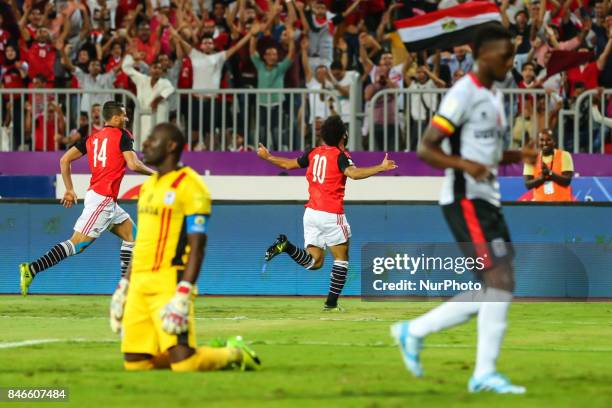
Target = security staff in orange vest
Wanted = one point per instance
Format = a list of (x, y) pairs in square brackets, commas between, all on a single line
[(551, 176)]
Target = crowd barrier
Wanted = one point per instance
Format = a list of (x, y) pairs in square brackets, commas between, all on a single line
[(290, 119)]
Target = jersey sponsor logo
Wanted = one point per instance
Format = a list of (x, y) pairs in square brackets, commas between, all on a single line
[(147, 209), (169, 197), (488, 134)]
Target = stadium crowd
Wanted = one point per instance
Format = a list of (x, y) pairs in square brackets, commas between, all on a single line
[(154, 47)]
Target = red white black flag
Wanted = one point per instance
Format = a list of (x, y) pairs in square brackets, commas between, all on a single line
[(448, 27)]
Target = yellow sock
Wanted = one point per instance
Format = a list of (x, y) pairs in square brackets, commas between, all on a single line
[(207, 359), (141, 365)]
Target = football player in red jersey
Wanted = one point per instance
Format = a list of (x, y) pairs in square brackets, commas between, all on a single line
[(108, 152), (325, 224)]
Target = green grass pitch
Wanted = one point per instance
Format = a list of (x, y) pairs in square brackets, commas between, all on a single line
[(561, 351)]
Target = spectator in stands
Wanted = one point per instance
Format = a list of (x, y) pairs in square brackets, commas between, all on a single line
[(152, 91), (14, 74), (207, 66), (103, 12), (48, 126), (320, 25), (96, 118), (342, 81), (78, 133), (41, 56), (318, 105), (383, 120), (91, 82), (551, 176), (458, 75), (270, 75), (460, 59), (589, 73), (422, 104), (29, 22), (147, 43)]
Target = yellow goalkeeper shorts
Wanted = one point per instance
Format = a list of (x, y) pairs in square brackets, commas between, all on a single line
[(142, 331)]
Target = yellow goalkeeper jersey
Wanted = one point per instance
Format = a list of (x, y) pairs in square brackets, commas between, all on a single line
[(168, 207)]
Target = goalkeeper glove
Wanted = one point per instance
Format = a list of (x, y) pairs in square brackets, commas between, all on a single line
[(175, 315), (117, 305)]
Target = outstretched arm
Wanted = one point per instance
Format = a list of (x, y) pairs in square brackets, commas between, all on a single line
[(356, 173), (282, 162)]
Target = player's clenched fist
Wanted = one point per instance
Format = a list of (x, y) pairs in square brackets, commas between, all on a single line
[(175, 315), (117, 305)]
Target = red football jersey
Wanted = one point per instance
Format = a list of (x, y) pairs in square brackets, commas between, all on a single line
[(104, 151), (326, 179), (41, 60)]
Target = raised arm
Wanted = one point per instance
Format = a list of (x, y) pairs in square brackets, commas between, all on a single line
[(256, 28), (128, 67), (503, 12), (239, 45), (303, 20), (352, 8), (363, 54), (65, 59), (355, 173), (282, 162), (601, 61), (181, 42), (304, 44)]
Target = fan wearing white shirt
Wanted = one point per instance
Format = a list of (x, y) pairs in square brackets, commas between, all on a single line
[(207, 67), (152, 91)]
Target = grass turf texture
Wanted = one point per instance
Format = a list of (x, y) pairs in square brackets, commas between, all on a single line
[(560, 351)]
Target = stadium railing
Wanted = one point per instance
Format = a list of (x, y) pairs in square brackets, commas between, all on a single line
[(595, 103), (291, 124), (412, 120), (282, 119), (13, 102)]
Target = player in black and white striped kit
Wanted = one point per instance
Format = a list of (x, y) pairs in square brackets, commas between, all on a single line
[(467, 137)]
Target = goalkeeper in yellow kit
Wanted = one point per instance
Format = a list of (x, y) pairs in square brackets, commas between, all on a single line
[(153, 305)]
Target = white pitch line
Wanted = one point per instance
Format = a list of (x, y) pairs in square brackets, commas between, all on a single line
[(378, 344), (26, 343)]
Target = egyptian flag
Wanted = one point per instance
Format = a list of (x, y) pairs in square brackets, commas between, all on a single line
[(448, 27)]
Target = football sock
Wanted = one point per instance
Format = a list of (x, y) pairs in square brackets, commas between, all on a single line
[(125, 256), (457, 310), (56, 254), (299, 255), (208, 359), (336, 283), (492, 322)]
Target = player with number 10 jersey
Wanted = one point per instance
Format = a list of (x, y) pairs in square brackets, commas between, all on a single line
[(325, 224), (108, 152)]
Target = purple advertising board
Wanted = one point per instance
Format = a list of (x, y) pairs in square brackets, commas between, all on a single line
[(247, 163)]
